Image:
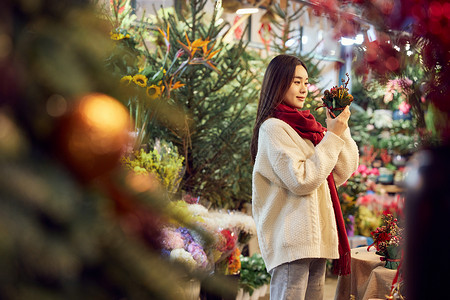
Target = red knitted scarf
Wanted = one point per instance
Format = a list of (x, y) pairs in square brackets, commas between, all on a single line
[(304, 123)]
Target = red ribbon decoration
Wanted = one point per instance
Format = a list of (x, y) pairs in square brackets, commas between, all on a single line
[(238, 31), (265, 34)]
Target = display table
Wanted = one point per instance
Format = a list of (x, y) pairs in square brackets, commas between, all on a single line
[(369, 278)]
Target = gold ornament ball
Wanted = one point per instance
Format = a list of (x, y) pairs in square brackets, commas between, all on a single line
[(94, 135)]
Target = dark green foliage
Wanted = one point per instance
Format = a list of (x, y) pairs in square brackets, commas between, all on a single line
[(253, 273), (59, 241)]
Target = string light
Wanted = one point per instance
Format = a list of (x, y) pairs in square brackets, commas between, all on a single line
[(359, 39)]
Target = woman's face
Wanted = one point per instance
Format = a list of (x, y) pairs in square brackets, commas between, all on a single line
[(297, 92)]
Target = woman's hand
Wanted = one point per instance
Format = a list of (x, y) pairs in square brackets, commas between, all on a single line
[(338, 124)]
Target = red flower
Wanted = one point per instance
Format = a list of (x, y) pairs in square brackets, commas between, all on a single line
[(384, 237), (230, 241)]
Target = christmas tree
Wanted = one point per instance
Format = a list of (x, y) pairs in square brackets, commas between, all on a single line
[(74, 224)]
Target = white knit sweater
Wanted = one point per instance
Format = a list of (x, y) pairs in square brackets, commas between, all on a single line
[(291, 200)]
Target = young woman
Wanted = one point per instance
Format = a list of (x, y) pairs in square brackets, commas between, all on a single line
[(297, 166)]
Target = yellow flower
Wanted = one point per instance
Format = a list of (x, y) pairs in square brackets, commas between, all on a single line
[(119, 36), (126, 79), (115, 36), (153, 91), (140, 80)]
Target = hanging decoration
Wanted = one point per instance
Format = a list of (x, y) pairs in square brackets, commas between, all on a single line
[(238, 31), (93, 135), (265, 32)]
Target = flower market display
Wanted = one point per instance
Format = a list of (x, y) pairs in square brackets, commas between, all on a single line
[(75, 220), (125, 170), (178, 76), (366, 196), (387, 137)]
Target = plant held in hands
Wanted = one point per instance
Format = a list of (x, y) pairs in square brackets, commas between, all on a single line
[(337, 98)]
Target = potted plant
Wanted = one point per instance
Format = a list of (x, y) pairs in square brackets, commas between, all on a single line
[(387, 241), (337, 98), (254, 277)]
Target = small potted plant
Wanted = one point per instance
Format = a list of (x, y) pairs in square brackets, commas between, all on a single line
[(387, 240), (254, 277), (337, 98)]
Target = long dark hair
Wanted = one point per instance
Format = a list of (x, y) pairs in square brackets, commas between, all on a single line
[(277, 80)]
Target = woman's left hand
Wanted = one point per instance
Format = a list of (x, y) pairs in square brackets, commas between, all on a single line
[(339, 124)]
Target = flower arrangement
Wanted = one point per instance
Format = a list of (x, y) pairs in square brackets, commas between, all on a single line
[(163, 161), (231, 230), (337, 98), (387, 240), (157, 80), (214, 245), (179, 245)]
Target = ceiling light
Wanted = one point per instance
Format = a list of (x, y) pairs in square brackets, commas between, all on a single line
[(247, 11), (291, 42), (347, 41), (304, 39)]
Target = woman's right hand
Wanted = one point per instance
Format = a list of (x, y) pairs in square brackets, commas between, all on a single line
[(338, 124)]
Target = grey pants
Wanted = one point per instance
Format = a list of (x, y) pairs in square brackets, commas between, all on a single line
[(302, 279)]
